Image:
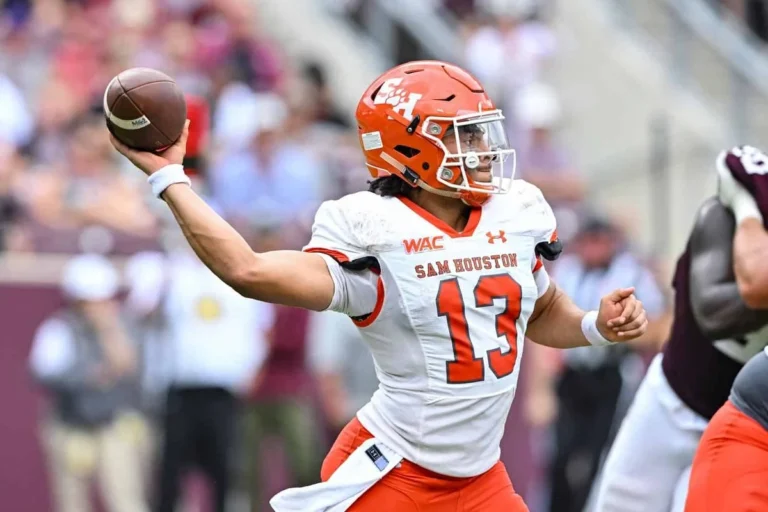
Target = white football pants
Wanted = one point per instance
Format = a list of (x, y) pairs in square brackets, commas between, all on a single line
[(649, 464)]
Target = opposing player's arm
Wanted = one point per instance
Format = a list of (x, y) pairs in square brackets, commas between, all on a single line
[(292, 278), (716, 293), (750, 243), (750, 254)]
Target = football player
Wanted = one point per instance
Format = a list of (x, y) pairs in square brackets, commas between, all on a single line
[(439, 265), (730, 469), (719, 289)]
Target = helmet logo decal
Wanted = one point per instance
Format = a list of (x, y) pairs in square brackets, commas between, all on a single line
[(402, 101)]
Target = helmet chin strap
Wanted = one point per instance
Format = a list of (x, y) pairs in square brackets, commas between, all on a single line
[(439, 191), (459, 194)]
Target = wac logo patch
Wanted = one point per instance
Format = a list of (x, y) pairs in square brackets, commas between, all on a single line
[(427, 243)]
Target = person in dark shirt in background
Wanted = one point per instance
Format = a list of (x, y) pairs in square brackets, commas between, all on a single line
[(594, 380), (83, 356)]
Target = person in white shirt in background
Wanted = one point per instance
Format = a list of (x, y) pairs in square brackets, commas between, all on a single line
[(543, 159), (83, 356), (508, 52), (213, 342), (342, 365)]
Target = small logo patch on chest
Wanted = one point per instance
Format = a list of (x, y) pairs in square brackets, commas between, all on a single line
[(427, 243), (500, 235)]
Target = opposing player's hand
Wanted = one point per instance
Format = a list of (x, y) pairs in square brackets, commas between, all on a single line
[(150, 162), (728, 189), (621, 316)]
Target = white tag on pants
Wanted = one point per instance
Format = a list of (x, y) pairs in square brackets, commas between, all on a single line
[(368, 464)]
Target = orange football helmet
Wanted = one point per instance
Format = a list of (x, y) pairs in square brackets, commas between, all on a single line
[(432, 124)]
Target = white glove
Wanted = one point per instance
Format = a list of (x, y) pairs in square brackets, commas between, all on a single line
[(733, 194)]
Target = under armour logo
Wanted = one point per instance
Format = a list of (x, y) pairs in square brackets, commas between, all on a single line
[(492, 238), (378, 458)]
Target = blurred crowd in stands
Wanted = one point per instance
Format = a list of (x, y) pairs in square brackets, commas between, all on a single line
[(152, 368)]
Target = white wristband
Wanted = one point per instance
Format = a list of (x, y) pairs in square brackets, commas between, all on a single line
[(589, 328), (745, 207), (167, 176)]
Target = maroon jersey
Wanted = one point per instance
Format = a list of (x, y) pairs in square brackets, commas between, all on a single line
[(700, 372)]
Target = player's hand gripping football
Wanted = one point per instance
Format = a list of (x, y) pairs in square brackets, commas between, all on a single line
[(150, 162), (621, 316)]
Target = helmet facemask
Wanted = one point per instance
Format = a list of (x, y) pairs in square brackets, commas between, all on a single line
[(476, 152)]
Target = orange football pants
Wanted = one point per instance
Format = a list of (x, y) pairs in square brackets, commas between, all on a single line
[(730, 469), (411, 488)]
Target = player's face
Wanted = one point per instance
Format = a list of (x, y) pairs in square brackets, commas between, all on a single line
[(469, 140)]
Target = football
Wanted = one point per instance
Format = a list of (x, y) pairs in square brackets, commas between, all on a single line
[(145, 109)]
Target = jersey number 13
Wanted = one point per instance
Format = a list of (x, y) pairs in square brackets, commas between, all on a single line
[(465, 367)]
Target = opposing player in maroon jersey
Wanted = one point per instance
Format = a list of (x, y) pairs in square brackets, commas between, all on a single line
[(717, 328), (730, 469)]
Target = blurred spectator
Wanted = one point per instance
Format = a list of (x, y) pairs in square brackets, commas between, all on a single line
[(281, 410), (541, 160), (199, 132), (325, 133), (508, 52), (145, 278), (591, 384), (237, 116), (215, 342), (89, 189), (84, 357), (16, 122), (57, 57), (57, 111), (255, 60), (460, 8), (318, 95), (11, 209), (276, 178), (343, 367)]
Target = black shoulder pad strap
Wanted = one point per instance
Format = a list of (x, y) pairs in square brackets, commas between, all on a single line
[(550, 251), (365, 263)]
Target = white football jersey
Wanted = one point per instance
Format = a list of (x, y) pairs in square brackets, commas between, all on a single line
[(447, 314)]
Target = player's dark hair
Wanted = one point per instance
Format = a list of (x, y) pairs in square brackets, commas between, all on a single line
[(389, 186)]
